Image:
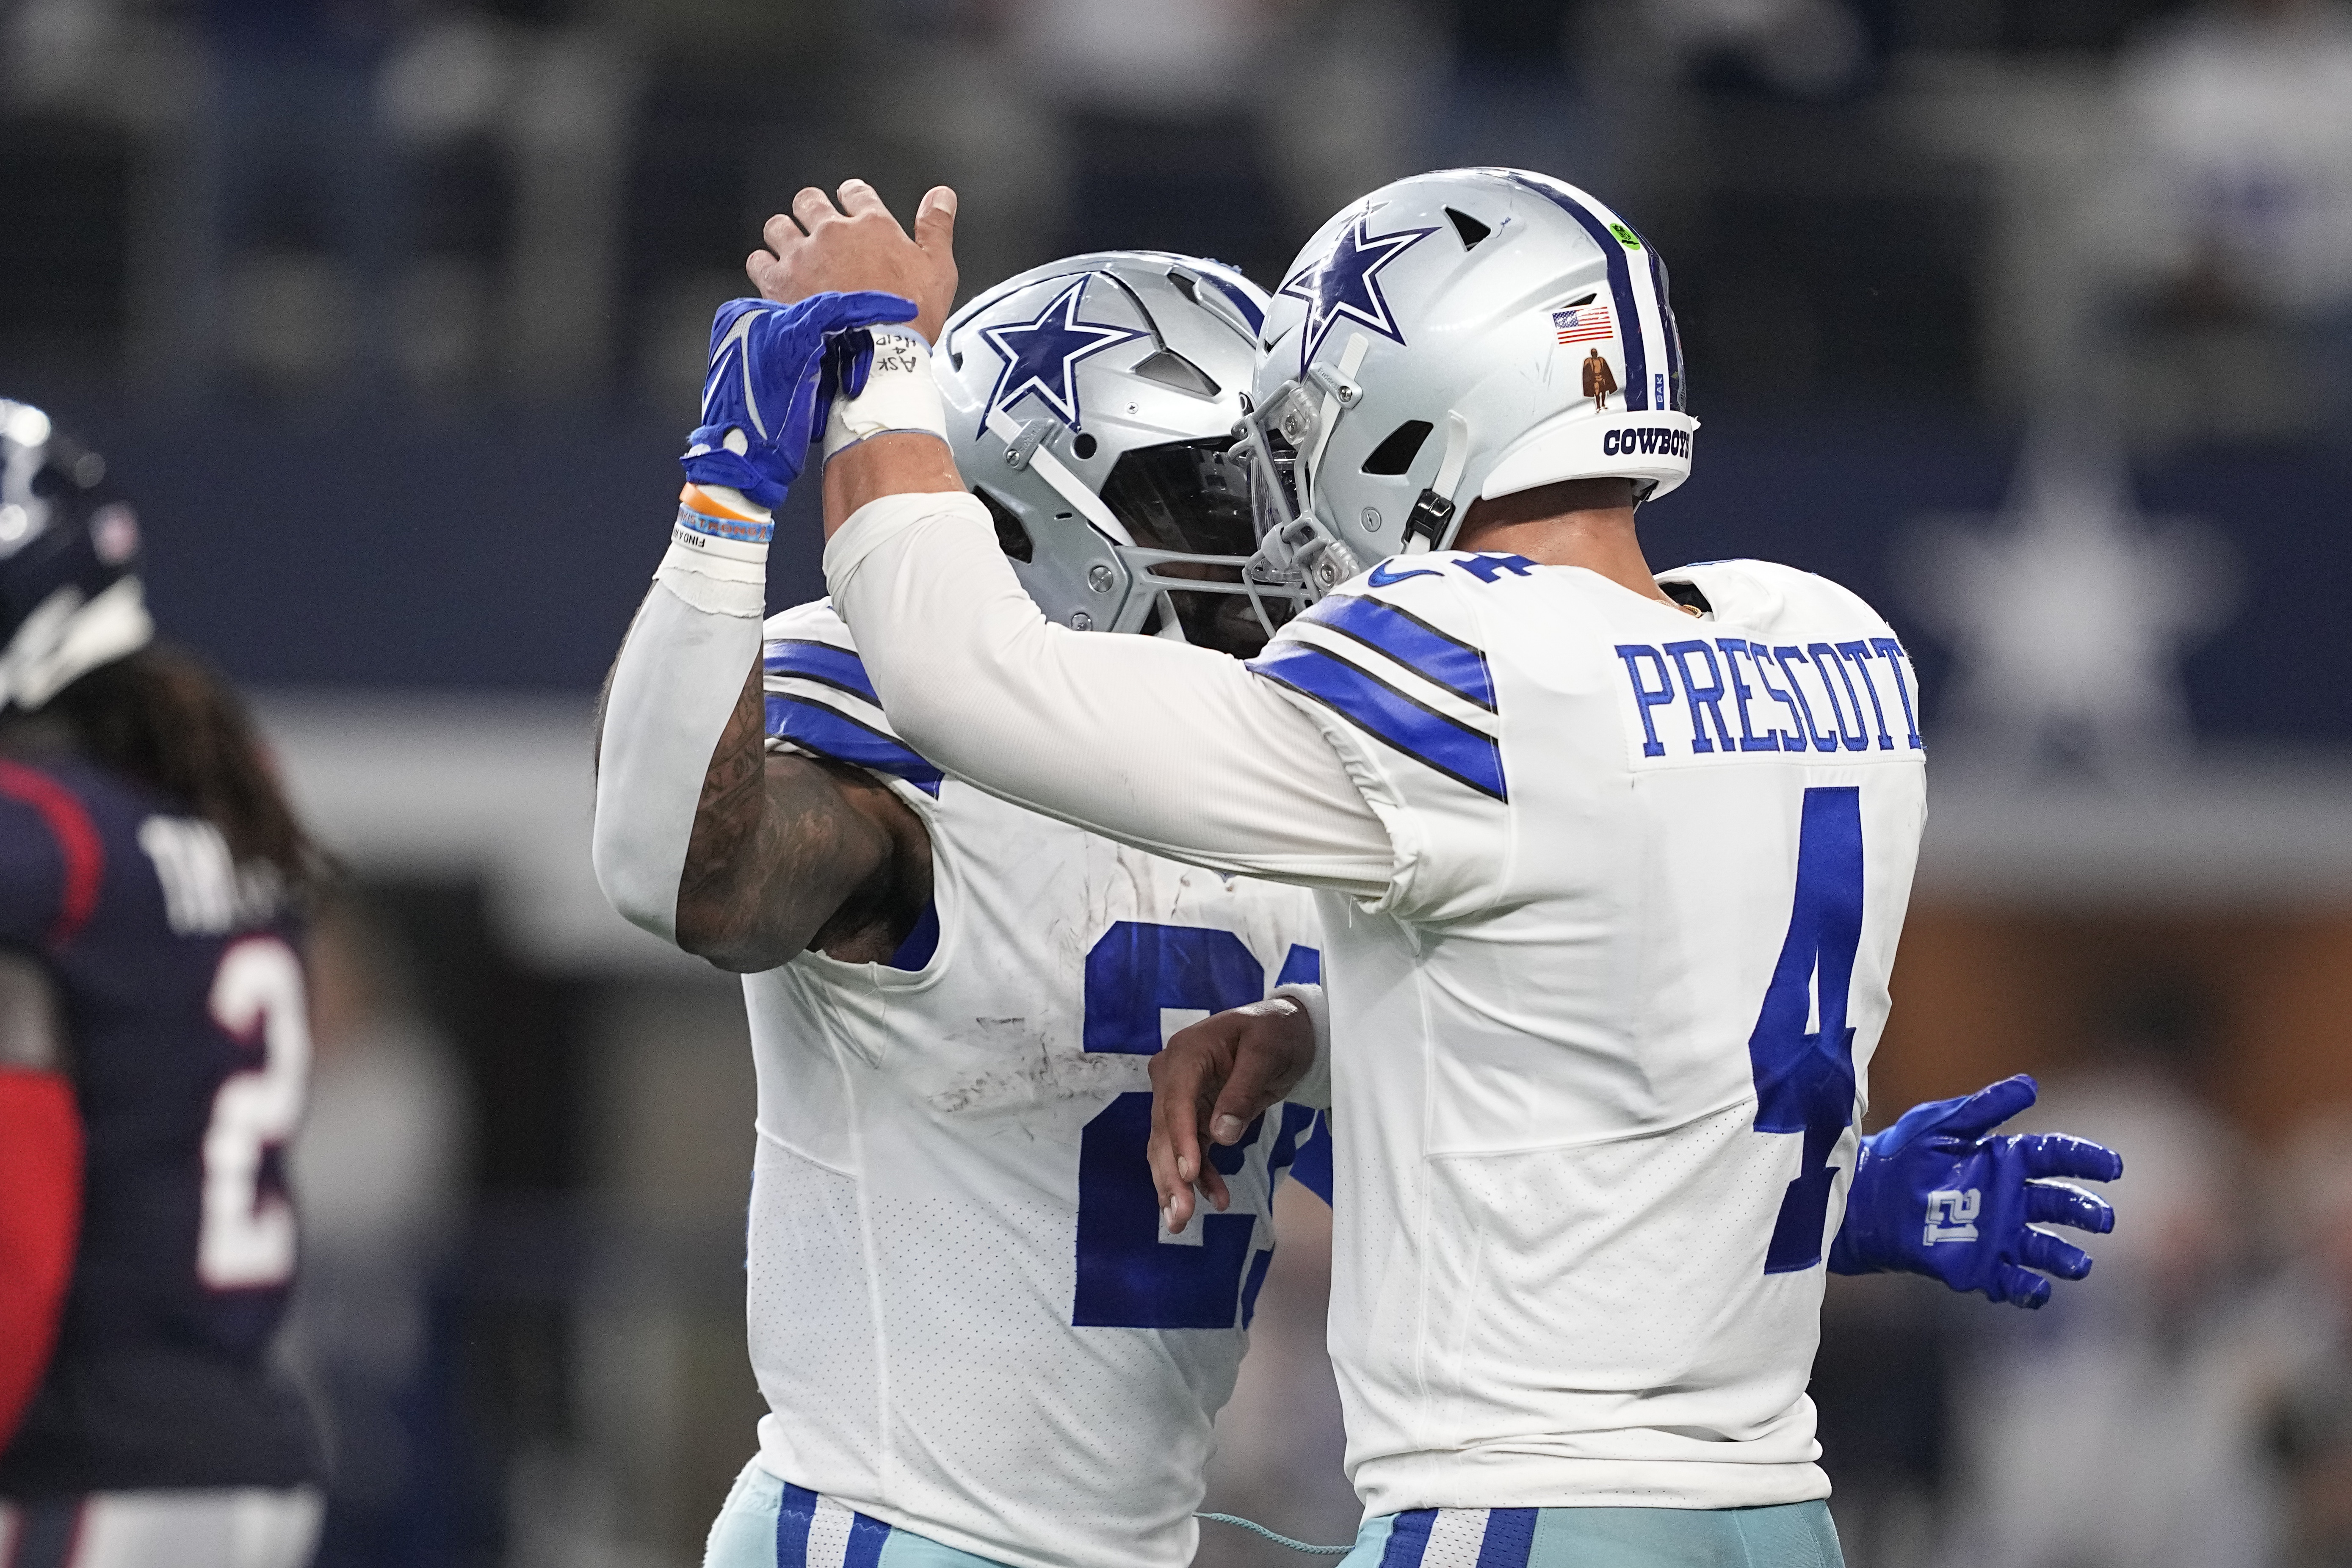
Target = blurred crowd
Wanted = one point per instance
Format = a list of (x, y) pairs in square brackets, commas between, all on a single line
[(521, 1298), (2142, 206), (2189, 1403)]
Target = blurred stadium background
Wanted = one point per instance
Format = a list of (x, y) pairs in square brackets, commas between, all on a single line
[(2030, 318)]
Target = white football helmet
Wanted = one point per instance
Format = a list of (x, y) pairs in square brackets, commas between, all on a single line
[(1090, 405), (1453, 337)]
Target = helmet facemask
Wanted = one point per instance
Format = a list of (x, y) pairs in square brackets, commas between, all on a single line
[(1186, 505)]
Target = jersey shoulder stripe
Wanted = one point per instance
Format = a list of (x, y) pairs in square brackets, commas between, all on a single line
[(1388, 714), (821, 662), (827, 732), (79, 845), (820, 700), (1438, 657)]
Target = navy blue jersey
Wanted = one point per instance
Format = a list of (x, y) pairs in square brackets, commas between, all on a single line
[(181, 988)]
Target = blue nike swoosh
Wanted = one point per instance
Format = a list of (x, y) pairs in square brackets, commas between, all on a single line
[(1382, 576)]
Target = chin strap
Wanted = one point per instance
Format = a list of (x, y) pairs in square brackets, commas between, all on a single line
[(1431, 524)]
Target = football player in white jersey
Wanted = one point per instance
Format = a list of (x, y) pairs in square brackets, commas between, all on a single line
[(976, 1340), (1611, 864)]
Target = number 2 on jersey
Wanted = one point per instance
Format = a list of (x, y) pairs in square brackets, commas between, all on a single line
[(1127, 1277), (1804, 1082), (246, 1238)]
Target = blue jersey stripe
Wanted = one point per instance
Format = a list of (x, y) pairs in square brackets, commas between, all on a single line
[(1510, 1538), (830, 732), (922, 942), (795, 1511), (820, 661), (1620, 288), (1420, 732), (1408, 1538), (867, 1537), (1412, 642)]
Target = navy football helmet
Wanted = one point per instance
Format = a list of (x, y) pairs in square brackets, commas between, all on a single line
[(71, 598)]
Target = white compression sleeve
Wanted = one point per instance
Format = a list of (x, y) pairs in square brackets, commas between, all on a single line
[(1315, 1089), (680, 671), (1170, 748)]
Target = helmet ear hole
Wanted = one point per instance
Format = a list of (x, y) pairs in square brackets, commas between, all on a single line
[(1172, 368), (1469, 229), (1398, 448)]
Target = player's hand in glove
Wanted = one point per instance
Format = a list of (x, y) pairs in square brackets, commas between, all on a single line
[(1934, 1194), (770, 376), (1212, 1080)]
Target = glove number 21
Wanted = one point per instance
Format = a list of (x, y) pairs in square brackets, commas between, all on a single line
[(1804, 1082), (1952, 1216)]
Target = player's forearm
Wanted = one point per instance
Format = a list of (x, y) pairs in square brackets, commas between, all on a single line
[(896, 464), (686, 678), (1171, 749), (720, 914)]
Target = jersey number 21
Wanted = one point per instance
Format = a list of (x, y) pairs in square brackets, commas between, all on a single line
[(1127, 1276)]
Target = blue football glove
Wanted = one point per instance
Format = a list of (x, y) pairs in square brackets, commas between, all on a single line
[(1933, 1194), (770, 383)]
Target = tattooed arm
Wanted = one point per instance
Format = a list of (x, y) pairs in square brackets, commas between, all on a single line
[(789, 852), (748, 858)]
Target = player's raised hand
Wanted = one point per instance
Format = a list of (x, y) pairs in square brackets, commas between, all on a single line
[(818, 248), (1934, 1194), (1214, 1078), (763, 396)]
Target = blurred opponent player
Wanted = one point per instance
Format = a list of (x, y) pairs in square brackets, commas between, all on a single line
[(154, 1045), (1611, 864), (975, 1342)]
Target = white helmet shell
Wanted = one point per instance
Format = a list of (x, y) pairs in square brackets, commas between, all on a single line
[(1453, 337), (1090, 402)]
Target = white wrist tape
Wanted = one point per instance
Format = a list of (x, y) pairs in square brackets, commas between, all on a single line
[(718, 556), (900, 398), (1315, 1089)]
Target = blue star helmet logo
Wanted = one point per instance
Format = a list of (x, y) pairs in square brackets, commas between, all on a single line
[(1041, 356), (1346, 283)]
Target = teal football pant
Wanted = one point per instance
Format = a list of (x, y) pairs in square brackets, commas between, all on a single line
[(768, 1523), (1792, 1535)]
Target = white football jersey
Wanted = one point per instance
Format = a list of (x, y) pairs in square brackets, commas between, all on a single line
[(964, 1313), (1599, 1054)]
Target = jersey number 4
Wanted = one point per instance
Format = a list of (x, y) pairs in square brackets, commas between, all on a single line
[(246, 1238), (1804, 1081), (1127, 1276)]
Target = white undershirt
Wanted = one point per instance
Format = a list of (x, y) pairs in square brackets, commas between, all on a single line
[(1173, 749)]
